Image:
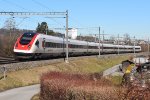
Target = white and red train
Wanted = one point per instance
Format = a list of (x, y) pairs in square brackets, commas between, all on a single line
[(34, 45)]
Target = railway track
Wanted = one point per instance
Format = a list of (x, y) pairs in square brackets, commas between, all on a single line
[(7, 60)]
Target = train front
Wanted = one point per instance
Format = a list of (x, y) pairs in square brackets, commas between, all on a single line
[(24, 46)]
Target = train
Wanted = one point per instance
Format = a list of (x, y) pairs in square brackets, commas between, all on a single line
[(38, 45)]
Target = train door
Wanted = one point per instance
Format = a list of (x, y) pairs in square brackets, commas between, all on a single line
[(63, 53), (102, 47), (87, 47), (43, 44)]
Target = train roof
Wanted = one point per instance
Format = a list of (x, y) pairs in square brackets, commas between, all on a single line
[(59, 39)]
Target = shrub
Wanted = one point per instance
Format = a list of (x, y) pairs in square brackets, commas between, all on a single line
[(64, 86), (137, 93)]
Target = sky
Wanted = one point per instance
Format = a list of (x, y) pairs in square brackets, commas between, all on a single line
[(113, 16)]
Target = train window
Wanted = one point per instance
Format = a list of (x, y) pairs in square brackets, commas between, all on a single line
[(109, 48), (64, 45), (43, 43), (61, 46), (58, 45), (70, 45), (79, 46), (26, 38), (84, 47), (37, 43), (76, 46), (50, 44), (46, 44), (54, 45), (92, 47)]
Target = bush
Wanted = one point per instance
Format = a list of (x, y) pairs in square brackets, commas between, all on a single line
[(137, 92), (63, 86)]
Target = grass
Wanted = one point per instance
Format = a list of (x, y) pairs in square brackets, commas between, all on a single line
[(32, 76), (90, 65), (36, 97), (116, 80)]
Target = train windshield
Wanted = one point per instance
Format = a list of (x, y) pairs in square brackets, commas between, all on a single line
[(26, 38)]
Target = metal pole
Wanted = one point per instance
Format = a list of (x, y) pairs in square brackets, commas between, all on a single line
[(4, 68), (80, 36), (118, 44), (99, 43), (46, 29), (103, 39), (67, 37), (148, 45), (134, 45), (95, 38)]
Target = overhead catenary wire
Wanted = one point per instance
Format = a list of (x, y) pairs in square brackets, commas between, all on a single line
[(14, 4), (51, 18), (41, 4), (21, 21), (18, 6), (70, 18)]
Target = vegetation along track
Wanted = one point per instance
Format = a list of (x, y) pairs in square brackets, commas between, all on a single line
[(10, 60), (11, 65), (39, 63)]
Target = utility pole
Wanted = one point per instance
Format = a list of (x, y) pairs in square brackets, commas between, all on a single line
[(99, 43), (148, 45), (95, 38), (67, 51), (46, 29), (134, 45), (103, 39), (80, 37), (118, 44)]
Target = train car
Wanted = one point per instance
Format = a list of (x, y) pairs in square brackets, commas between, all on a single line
[(37, 45)]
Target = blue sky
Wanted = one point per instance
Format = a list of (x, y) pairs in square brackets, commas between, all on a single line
[(114, 16)]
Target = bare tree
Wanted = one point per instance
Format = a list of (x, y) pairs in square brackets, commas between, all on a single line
[(10, 36), (10, 24), (127, 39), (112, 39)]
